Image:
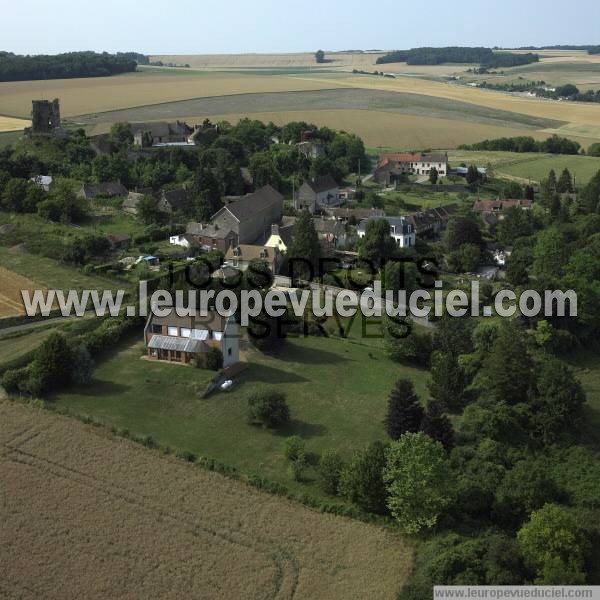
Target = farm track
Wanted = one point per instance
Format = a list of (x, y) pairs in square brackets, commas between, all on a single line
[(286, 565)]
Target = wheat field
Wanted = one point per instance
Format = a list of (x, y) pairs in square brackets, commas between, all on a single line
[(12, 124), (11, 285), (97, 94), (87, 515)]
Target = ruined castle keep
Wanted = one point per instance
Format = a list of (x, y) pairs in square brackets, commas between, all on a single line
[(45, 118)]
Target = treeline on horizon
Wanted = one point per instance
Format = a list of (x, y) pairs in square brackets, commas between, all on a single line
[(486, 57), (553, 145), (591, 49), (15, 67)]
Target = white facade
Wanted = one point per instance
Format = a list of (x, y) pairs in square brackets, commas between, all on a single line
[(423, 167), (179, 240), (401, 231)]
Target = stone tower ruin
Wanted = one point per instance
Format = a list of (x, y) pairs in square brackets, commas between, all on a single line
[(45, 118)]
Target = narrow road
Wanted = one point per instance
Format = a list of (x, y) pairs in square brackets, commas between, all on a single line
[(41, 323)]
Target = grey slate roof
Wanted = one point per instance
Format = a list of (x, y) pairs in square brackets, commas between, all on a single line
[(209, 230), (248, 205), (322, 184), (177, 344), (110, 188), (400, 224)]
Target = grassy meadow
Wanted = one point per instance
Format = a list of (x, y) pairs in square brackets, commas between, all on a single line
[(343, 411), (529, 166)]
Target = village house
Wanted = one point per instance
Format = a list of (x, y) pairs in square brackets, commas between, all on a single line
[(146, 135), (251, 217), (391, 167), (492, 211), (318, 193), (347, 194), (400, 229), (110, 189), (171, 201), (429, 223), (281, 234), (356, 214), (331, 233), (211, 237), (181, 339), (240, 257)]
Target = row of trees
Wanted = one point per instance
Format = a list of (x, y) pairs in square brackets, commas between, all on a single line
[(458, 54), (15, 67), (553, 145)]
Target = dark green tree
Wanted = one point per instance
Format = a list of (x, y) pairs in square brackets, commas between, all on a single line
[(437, 425), (565, 182), (448, 381), (52, 365), (268, 409), (557, 406), (507, 370), (362, 479), (404, 412), (330, 471), (377, 246), (305, 246)]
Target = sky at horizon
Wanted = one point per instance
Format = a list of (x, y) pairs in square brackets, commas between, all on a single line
[(264, 26)]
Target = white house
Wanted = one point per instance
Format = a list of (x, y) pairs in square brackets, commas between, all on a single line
[(400, 229), (429, 161)]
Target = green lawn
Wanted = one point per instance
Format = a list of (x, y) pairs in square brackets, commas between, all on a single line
[(337, 392), (405, 202), (529, 165), (12, 347), (582, 167), (15, 344), (52, 274), (103, 220)]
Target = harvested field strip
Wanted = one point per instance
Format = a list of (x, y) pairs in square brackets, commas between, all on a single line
[(120, 520), (87, 95), (325, 99), (403, 132), (575, 112), (11, 285), (12, 124)]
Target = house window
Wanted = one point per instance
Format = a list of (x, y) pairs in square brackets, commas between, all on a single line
[(156, 328), (185, 332), (173, 331), (228, 351)]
